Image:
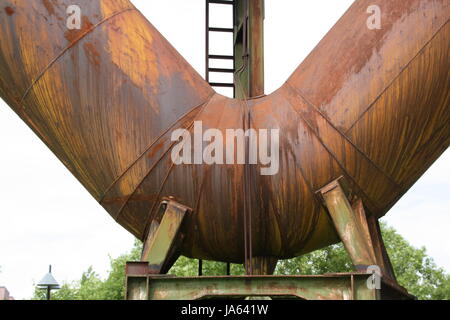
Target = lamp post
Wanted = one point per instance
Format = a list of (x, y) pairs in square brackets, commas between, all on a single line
[(48, 283)]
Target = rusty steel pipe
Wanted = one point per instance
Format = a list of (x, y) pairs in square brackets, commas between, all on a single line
[(371, 106)]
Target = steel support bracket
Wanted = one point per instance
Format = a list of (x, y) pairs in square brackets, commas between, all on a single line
[(161, 249), (359, 232)]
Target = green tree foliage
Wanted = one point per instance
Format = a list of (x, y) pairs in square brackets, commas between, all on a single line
[(92, 287), (415, 270), (186, 267)]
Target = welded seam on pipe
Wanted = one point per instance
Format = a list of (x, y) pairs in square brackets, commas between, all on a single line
[(343, 135), (159, 160), (371, 105), (319, 204), (277, 214), (437, 131), (419, 150), (343, 168), (245, 117), (72, 44), (161, 189), (129, 167)]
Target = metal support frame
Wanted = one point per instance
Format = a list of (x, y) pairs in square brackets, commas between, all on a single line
[(359, 232), (249, 47), (161, 248), (248, 51), (346, 286)]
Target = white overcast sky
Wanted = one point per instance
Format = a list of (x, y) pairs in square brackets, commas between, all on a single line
[(46, 216)]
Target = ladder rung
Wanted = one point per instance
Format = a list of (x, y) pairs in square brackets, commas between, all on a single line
[(220, 84), (220, 57), (221, 70), (221, 29), (220, 2)]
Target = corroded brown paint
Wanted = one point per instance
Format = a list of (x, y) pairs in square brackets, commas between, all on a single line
[(369, 105), (9, 11)]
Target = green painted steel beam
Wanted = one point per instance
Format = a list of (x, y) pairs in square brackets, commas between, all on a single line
[(249, 48), (348, 226), (163, 236), (328, 287)]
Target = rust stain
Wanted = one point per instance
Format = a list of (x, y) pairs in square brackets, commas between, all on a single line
[(73, 35), (156, 149), (111, 128), (49, 6), (92, 53), (9, 11)]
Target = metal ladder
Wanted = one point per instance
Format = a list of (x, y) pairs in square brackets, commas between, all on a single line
[(210, 70), (210, 56)]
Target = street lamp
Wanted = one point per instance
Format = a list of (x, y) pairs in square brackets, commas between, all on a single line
[(48, 283)]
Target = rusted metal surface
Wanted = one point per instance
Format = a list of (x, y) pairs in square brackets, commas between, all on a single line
[(307, 288), (345, 286), (369, 105), (249, 83), (161, 241), (261, 265), (249, 48), (347, 226), (359, 232)]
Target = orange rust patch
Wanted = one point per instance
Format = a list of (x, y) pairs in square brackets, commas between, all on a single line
[(74, 35), (155, 149), (49, 6), (9, 11), (92, 53)]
